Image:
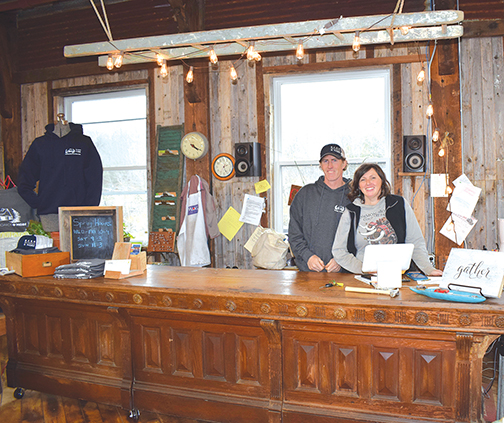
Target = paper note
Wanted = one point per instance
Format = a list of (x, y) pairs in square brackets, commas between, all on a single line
[(464, 199), (262, 186), (252, 209), (122, 266), (230, 223), (438, 182), (456, 228)]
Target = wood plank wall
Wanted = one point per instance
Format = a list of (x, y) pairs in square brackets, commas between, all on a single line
[(234, 118), (482, 92)]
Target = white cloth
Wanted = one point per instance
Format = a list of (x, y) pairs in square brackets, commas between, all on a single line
[(192, 241)]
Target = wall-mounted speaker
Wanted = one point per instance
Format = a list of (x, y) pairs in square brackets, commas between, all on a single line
[(248, 159), (414, 153)]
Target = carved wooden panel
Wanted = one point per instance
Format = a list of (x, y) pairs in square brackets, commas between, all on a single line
[(428, 376), (31, 344), (386, 373), (151, 343), (106, 344), (80, 340), (248, 365), (369, 370), (182, 362), (54, 334), (345, 362), (207, 355)]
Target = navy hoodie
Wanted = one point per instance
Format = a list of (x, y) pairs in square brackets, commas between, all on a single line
[(69, 171)]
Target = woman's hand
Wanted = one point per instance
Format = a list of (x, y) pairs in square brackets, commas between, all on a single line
[(332, 266)]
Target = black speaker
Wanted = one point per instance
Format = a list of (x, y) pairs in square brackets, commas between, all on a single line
[(414, 153), (248, 159)]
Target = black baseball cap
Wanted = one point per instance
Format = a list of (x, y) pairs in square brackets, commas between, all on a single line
[(334, 150)]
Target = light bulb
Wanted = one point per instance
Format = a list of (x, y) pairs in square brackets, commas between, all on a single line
[(251, 51), (257, 57), (110, 63), (118, 60), (233, 74), (213, 57), (430, 110), (164, 69), (404, 29), (190, 75), (421, 76), (441, 152), (448, 190), (159, 59), (356, 42), (300, 51), (435, 135)]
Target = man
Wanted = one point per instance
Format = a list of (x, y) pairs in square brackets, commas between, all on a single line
[(316, 211)]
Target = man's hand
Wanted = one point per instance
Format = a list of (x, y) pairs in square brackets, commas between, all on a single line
[(332, 266), (315, 263), (436, 272)]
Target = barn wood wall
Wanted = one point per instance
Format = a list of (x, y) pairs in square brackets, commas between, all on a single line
[(234, 118)]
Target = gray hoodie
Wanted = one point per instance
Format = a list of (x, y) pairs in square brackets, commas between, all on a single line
[(315, 213)]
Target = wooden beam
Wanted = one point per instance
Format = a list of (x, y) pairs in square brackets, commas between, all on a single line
[(422, 24)]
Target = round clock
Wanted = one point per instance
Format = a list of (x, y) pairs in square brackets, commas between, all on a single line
[(223, 166), (194, 145)]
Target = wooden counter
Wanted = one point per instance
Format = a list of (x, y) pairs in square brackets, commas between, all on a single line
[(227, 345)]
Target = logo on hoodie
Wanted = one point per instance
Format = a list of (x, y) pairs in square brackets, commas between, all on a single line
[(73, 152)]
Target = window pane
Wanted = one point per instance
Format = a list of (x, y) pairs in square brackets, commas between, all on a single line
[(120, 106), (120, 144), (134, 213), (349, 108), (124, 180)]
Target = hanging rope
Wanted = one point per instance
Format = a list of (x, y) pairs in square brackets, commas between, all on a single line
[(105, 25)]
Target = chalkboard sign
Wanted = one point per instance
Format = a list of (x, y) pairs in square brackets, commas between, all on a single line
[(90, 232)]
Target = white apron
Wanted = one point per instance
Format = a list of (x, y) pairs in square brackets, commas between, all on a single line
[(192, 240)]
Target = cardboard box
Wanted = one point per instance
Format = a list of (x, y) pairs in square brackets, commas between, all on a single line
[(28, 265)]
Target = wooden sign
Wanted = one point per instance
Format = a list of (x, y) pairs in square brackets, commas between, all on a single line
[(90, 232), (474, 269)]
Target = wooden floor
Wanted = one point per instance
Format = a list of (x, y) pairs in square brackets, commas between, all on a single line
[(36, 407)]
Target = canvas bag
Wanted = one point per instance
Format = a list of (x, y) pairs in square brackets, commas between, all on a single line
[(270, 251)]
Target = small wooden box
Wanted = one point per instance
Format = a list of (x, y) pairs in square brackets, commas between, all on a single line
[(28, 265)]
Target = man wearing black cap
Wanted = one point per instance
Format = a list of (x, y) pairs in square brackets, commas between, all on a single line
[(315, 213)]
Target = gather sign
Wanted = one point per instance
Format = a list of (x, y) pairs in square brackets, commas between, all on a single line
[(474, 269)]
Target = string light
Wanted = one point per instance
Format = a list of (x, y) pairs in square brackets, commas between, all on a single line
[(252, 54), (160, 59), (448, 190), (213, 57), (164, 69), (421, 76), (356, 42), (233, 74), (300, 51), (404, 29), (430, 110), (190, 75), (441, 152), (435, 135), (118, 60), (110, 63)]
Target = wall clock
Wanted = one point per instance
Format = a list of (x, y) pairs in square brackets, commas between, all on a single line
[(223, 166), (194, 145)]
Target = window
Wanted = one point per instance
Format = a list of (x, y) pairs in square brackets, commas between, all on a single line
[(117, 124), (349, 108)]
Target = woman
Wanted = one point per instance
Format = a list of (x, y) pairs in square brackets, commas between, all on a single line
[(375, 216)]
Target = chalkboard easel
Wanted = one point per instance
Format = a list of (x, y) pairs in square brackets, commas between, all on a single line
[(90, 232)]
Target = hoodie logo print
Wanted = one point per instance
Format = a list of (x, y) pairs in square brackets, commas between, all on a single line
[(339, 209), (73, 152)]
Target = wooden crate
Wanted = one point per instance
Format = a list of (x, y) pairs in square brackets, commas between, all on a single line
[(28, 265)]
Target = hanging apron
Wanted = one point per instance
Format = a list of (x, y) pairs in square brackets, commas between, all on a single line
[(192, 240)]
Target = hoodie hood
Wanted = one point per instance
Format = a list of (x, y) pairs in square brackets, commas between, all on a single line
[(75, 128)]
